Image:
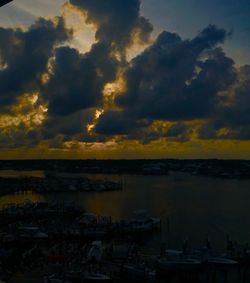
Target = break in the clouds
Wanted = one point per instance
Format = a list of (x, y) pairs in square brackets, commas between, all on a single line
[(174, 89), (118, 23)]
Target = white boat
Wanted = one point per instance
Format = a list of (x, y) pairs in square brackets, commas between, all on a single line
[(140, 223), (96, 277), (143, 225), (138, 272), (220, 261), (175, 260), (178, 264), (205, 256), (239, 256), (53, 279), (88, 277), (96, 252)]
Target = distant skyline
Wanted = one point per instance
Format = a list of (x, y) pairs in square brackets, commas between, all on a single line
[(125, 79)]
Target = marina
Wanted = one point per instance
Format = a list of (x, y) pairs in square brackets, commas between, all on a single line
[(108, 237), (51, 239)]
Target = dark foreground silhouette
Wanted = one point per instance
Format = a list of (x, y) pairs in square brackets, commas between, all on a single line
[(4, 2)]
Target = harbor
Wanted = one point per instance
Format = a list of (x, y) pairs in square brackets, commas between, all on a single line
[(63, 243), (118, 236), (50, 182)]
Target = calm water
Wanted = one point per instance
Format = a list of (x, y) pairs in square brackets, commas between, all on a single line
[(15, 173), (189, 206)]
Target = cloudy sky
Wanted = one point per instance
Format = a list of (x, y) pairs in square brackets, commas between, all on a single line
[(125, 79)]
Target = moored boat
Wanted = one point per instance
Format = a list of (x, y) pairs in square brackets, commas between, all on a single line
[(96, 252), (140, 223), (175, 260), (96, 277), (206, 257), (138, 272)]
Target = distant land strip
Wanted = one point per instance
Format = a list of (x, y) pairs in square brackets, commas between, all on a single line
[(228, 169)]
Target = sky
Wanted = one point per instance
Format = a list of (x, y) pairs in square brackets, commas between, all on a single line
[(125, 79)]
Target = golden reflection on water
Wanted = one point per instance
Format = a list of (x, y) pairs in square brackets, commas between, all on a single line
[(15, 173), (192, 206), (19, 198), (112, 203)]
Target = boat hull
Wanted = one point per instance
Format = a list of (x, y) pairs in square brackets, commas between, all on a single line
[(178, 265)]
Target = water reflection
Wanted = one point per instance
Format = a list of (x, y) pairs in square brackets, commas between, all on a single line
[(20, 197), (190, 206), (15, 173)]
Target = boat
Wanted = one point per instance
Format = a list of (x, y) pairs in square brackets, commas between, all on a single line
[(96, 277), (95, 227), (120, 251), (88, 277), (140, 223), (53, 279), (220, 261), (32, 233), (175, 260), (95, 232), (143, 225), (138, 272), (236, 252), (206, 257), (96, 252)]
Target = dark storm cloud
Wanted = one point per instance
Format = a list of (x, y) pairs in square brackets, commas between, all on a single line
[(238, 112), (234, 116), (178, 131), (25, 54), (116, 123), (78, 80), (173, 80), (19, 136), (117, 21), (68, 126), (178, 79)]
